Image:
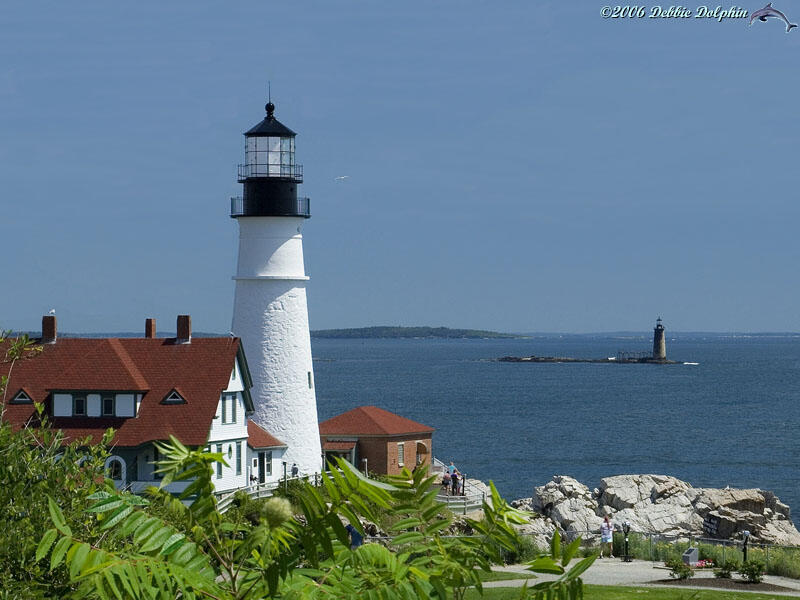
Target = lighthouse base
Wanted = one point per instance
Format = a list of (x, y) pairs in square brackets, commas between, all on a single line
[(270, 315)]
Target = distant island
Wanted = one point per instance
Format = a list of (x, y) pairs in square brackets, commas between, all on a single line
[(410, 332)]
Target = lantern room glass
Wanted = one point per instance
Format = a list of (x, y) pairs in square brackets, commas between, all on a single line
[(269, 156)]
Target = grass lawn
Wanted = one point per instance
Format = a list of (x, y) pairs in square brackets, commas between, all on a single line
[(602, 592)]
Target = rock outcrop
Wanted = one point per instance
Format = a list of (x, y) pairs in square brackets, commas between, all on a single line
[(660, 504)]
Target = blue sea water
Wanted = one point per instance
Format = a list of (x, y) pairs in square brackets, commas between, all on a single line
[(733, 419)]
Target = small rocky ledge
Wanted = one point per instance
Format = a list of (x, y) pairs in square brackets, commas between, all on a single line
[(658, 504)]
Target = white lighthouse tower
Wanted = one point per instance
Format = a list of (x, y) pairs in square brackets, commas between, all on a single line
[(269, 309)]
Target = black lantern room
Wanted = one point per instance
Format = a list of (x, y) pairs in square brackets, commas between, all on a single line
[(270, 174)]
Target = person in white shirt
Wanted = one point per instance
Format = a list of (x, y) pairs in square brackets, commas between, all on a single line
[(606, 537)]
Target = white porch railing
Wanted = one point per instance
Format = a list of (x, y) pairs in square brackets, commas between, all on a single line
[(176, 487), (437, 467), (258, 490)]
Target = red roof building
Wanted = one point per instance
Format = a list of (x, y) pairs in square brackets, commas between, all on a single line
[(377, 440), (146, 389)]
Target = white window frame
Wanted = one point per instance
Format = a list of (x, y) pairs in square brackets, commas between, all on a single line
[(401, 454), (123, 467)]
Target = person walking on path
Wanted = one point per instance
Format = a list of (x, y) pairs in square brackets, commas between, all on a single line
[(607, 537)]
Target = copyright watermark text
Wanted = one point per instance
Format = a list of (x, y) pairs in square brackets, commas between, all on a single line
[(717, 13)]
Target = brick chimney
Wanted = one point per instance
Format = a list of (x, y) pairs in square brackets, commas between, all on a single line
[(184, 330), (150, 328), (49, 333)]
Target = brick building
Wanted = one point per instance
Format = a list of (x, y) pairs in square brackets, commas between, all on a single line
[(385, 441)]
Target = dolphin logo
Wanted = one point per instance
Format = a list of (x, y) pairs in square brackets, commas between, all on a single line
[(763, 13)]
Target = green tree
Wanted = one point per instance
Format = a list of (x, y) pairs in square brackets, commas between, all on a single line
[(202, 554), (36, 463)]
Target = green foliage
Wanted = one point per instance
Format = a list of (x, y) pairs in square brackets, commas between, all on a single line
[(679, 569), (42, 476), (197, 552), (724, 570), (752, 571), (525, 550), (782, 561), (292, 490)]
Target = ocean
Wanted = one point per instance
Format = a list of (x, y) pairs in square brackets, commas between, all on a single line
[(733, 419)]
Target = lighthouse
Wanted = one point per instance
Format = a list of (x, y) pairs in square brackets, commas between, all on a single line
[(659, 345), (270, 313)]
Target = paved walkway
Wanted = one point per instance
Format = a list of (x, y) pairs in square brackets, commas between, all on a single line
[(638, 573)]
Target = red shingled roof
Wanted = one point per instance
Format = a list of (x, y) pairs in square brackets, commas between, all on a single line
[(151, 366), (371, 420), (258, 437)]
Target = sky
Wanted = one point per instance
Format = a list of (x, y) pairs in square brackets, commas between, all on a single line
[(512, 165)]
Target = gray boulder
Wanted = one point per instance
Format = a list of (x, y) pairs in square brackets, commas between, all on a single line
[(570, 505), (663, 505)]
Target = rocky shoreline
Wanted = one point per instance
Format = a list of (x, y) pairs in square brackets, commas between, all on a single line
[(657, 504)]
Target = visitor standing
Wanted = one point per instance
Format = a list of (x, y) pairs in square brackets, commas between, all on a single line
[(295, 470), (446, 483), (607, 537), (454, 482)]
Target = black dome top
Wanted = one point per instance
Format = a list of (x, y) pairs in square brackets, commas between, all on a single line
[(270, 126)]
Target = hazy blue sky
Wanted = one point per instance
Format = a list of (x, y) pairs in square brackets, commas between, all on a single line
[(520, 166)]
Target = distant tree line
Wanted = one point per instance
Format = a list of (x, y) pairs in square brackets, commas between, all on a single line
[(409, 332)]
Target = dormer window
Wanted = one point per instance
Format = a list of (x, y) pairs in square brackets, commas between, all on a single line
[(22, 398), (173, 398)]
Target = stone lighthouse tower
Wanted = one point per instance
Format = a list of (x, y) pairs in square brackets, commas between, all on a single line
[(269, 309), (659, 345)]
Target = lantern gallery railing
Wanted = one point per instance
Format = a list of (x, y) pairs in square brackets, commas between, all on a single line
[(271, 170), (301, 208)]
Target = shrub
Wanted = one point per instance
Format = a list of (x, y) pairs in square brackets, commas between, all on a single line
[(526, 550), (784, 562), (679, 569), (752, 571), (724, 570)]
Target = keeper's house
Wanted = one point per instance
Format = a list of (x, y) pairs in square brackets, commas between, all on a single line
[(146, 389), (385, 441)]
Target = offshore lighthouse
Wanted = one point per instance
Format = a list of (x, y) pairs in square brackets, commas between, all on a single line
[(270, 313), (659, 345)]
